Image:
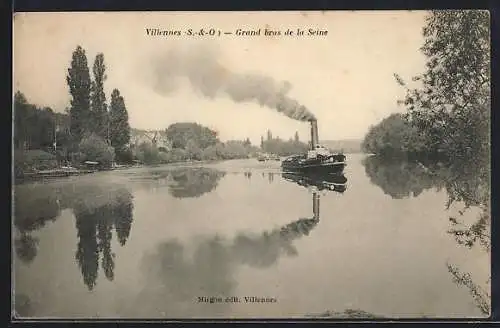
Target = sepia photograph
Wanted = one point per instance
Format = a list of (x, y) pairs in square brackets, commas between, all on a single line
[(251, 165)]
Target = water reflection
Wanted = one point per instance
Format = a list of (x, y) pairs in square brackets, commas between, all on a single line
[(270, 177), (264, 250), (94, 226), (400, 179), (32, 212), (321, 182), (178, 274), (184, 182), (467, 185), (194, 182), (97, 209)]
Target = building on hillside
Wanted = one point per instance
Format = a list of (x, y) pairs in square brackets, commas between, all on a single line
[(157, 138)]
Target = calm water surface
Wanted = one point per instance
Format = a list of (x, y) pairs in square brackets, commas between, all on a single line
[(148, 242)]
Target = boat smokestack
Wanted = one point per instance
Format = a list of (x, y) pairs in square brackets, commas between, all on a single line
[(316, 206), (314, 133)]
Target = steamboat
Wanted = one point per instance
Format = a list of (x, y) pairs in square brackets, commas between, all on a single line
[(318, 160)]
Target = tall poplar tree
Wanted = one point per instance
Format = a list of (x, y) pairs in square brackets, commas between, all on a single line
[(78, 80), (118, 123), (98, 98)]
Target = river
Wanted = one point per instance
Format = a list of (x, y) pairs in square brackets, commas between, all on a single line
[(153, 242)]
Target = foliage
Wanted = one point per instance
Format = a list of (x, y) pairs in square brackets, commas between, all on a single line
[(78, 80), (64, 133), (98, 98), (119, 126), (125, 156), (180, 133), (27, 160), (147, 154), (284, 148), (95, 148), (481, 297), (394, 135), (451, 106), (34, 127), (232, 149)]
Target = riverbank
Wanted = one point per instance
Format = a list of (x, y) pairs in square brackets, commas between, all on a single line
[(62, 172), (51, 173)]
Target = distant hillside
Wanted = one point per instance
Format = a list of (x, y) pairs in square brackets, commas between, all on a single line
[(347, 145)]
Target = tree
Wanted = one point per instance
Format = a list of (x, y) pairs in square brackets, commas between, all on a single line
[(20, 114), (262, 142), (269, 135), (180, 133), (34, 127), (393, 136), (452, 104), (98, 98), (296, 138), (118, 122), (78, 80), (192, 149), (94, 148)]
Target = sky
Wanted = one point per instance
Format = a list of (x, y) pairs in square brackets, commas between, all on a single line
[(344, 78)]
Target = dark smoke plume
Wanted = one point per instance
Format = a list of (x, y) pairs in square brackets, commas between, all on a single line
[(207, 76)]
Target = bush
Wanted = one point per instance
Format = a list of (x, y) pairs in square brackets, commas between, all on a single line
[(95, 148), (125, 156), (147, 154), (25, 161)]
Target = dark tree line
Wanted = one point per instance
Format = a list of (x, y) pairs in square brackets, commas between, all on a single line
[(192, 141), (282, 147), (35, 127), (394, 136)]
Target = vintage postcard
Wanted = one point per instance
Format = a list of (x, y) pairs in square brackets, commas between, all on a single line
[(329, 164)]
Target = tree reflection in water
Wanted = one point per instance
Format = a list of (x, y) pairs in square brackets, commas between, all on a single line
[(194, 182), (185, 182), (95, 220), (181, 277), (466, 183), (32, 211), (97, 209)]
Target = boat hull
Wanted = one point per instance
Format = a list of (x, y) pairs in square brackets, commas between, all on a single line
[(323, 168), (333, 164)]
